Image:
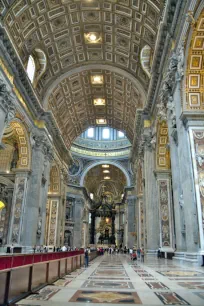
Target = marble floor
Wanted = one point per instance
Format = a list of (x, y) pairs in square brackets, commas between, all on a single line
[(115, 279)]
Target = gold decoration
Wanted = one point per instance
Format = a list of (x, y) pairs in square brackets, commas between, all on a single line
[(147, 123), (163, 154), (195, 73)]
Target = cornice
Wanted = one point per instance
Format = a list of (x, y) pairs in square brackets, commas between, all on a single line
[(23, 84)]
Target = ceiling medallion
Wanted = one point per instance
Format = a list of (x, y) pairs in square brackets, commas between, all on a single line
[(106, 171), (93, 38), (99, 101), (97, 79), (106, 177), (101, 121), (105, 166)]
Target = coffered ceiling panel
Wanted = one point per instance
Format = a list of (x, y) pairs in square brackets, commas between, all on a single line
[(72, 103), (60, 27)]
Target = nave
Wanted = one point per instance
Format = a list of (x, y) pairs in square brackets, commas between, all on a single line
[(115, 279)]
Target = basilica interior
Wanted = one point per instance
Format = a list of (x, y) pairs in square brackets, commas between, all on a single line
[(102, 142)]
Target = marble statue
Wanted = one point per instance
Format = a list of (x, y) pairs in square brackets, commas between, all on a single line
[(39, 229), (180, 66)]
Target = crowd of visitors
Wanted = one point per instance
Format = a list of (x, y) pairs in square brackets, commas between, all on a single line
[(45, 249)]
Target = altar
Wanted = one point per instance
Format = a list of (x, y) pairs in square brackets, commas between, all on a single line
[(105, 232)]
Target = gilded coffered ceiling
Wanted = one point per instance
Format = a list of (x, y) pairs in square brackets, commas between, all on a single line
[(58, 28), (72, 104), (76, 34), (96, 184)]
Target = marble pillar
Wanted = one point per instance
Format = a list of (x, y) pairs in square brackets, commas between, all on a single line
[(179, 221), (197, 145), (165, 211), (141, 224), (131, 202), (19, 201), (6, 195), (53, 222), (78, 221), (35, 210), (150, 195), (187, 180)]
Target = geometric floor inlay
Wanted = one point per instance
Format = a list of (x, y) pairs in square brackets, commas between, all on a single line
[(192, 285), (181, 273), (106, 297), (104, 272), (171, 298), (156, 285), (107, 285)]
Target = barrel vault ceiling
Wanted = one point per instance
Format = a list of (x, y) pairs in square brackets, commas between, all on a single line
[(59, 28), (96, 184)]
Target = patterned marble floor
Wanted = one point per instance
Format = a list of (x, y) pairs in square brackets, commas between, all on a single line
[(116, 280)]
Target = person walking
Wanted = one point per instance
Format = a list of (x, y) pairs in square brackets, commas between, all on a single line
[(159, 252), (138, 253), (142, 254), (86, 258)]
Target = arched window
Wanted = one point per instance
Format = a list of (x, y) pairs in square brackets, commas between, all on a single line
[(31, 68)]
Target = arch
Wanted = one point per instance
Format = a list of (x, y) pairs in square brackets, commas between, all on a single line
[(96, 163), (92, 67), (24, 161)]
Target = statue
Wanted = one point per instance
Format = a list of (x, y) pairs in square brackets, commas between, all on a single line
[(181, 201), (191, 19), (180, 66), (15, 157), (39, 230), (154, 141), (171, 109), (162, 111)]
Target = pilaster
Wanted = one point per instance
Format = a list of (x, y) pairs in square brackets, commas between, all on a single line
[(131, 202), (35, 212), (165, 211), (18, 207), (150, 193)]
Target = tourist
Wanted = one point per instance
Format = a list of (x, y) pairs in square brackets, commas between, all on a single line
[(138, 252), (130, 252), (64, 249), (86, 258), (142, 254), (159, 252), (34, 249), (11, 249), (134, 255)]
